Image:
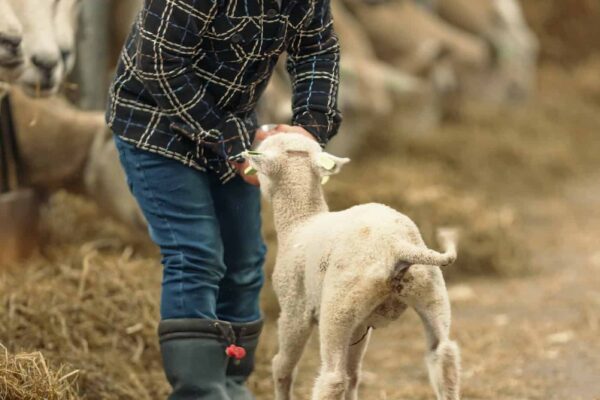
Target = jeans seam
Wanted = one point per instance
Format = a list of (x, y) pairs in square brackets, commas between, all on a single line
[(157, 206)]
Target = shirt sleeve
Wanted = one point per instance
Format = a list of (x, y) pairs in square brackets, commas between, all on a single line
[(313, 65), (170, 34)]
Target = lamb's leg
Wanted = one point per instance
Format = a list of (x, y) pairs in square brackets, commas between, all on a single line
[(443, 358), (335, 334), (293, 331), (356, 352), (343, 310)]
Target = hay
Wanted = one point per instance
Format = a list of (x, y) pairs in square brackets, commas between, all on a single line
[(27, 376), (90, 302)]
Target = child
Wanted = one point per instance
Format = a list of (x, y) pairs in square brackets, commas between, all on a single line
[(182, 110)]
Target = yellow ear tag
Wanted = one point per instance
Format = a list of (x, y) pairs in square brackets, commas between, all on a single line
[(326, 162), (250, 171), (324, 180)]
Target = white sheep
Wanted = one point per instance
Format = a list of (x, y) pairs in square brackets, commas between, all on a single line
[(347, 270), (48, 28), (501, 23)]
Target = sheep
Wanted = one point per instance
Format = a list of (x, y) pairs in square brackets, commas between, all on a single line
[(11, 36), (72, 149), (48, 43), (516, 48), (404, 33), (92, 167), (348, 270)]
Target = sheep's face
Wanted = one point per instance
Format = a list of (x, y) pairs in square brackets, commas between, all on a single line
[(11, 36), (290, 157), (48, 42)]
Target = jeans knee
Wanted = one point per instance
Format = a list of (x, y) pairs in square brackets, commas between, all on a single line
[(189, 289), (246, 270)]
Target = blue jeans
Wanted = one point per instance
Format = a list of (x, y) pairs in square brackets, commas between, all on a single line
[(209, 236)]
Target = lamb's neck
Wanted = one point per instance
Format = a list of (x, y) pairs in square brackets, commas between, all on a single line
[(295, 203)]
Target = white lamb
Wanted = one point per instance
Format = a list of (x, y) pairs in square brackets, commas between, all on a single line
[(347, 270)]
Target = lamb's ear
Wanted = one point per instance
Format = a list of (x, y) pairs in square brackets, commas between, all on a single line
[(330, 164)]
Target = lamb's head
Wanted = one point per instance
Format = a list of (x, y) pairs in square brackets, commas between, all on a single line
[(290, 159), (11, 36), (48, 42)]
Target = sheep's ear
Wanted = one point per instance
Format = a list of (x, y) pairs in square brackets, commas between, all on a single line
[(330, 164)]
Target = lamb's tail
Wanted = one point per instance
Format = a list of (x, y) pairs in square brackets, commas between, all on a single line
[(447, 237)]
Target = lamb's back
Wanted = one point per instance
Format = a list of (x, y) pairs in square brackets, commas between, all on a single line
[(361, 233)]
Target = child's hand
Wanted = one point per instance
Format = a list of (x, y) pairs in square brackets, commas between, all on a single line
[(242, 167)]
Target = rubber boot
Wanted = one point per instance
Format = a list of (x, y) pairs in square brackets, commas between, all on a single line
[(238, 371), (194, 357)]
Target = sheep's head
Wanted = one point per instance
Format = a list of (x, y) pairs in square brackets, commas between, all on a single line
[(292, 158), (48, 42)]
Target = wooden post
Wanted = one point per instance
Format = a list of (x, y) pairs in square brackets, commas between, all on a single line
[(93, 54)]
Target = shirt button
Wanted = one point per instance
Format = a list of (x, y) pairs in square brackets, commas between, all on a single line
[(271, 13), (236, 38)]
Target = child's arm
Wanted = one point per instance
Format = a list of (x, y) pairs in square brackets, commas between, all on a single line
[(170, 32), (313, 65)]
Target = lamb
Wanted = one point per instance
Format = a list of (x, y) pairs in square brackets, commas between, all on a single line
[(348, 270)]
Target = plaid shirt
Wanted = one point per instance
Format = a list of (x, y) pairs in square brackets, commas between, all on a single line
[(192, 71)]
